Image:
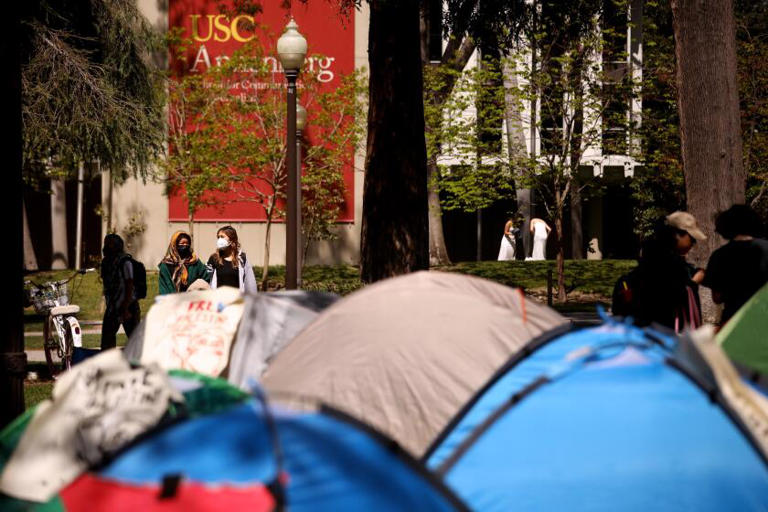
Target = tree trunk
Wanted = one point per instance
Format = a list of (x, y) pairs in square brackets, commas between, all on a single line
[(59, 243), (268, 241), (708, 101), (438, 253), (560, 255), (267, 246), (30, 260), (577, 232), (457, 53), (517, 150), (395, 230), (574, 153), (108, 210), (524, 208), (13, 359)]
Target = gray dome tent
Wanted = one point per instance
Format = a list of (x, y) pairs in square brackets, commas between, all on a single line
[(403, 355)]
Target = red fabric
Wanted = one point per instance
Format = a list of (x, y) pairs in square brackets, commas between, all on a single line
[(95, 494)]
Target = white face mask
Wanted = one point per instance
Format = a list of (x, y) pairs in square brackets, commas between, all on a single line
[(222, 243)]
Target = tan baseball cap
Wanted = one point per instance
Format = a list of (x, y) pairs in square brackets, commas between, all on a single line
[(686, 222)]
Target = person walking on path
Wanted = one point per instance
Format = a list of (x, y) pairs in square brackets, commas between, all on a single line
[(122, 306), (181, 266), (738, 269), (508, 241), (540, 230), (229, 266), (663, 288)]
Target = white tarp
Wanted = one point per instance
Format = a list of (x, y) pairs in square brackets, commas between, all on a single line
[(405, 354), (96, 409)]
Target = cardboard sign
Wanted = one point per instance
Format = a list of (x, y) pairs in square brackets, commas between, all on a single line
[(193, 330)]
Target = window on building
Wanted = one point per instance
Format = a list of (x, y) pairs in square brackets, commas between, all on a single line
[(551, 92), (435, 29), (615, 104), (490, 103)]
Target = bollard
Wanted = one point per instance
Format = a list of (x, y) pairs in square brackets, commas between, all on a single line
[(549, 287)]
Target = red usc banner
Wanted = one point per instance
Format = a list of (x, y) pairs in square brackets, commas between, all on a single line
[(215, 36)]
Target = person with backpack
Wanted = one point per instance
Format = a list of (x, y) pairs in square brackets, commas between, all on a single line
[(121, 294), (663, 288), (229, 266), (181, 267)]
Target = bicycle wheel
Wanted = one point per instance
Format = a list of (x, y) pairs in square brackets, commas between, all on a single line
[(58, 353)]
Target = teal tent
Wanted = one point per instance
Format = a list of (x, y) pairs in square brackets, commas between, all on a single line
[(745, 337)]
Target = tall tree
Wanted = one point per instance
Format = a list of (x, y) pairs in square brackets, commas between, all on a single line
[(91, 88), (452, 60), (708, 101), (395, 231), (13, 359), (710, 124), (576, 93)]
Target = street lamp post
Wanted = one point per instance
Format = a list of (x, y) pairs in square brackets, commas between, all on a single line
[(301, 122), (292, 48)]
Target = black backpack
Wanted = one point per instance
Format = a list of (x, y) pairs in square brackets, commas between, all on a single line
[(624, 296), (139, 278)]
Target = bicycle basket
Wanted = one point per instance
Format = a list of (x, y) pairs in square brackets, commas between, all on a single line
[(43, 301), (61, 292)]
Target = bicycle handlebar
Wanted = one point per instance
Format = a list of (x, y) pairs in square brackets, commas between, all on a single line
[(82, 271)]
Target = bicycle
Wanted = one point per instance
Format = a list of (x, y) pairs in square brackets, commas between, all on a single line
[(61, 330)]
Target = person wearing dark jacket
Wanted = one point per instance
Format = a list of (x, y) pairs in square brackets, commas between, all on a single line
[(229, 265), (122, 306), (738, 269), (663, 288), (181, 267)]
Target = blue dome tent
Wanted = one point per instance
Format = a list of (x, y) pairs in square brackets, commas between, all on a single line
[(610, 418)]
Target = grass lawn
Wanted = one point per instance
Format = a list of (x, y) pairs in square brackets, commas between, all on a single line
[(38, 385), (89, 341), (36, 392)]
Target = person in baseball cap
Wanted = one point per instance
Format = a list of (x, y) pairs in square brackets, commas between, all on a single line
[(684, 221), (663, 288)]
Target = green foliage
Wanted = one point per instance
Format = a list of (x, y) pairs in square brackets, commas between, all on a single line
[(476, 177), (337, 122), (576, 93), (752, 53), (90, 89), (658, 187)]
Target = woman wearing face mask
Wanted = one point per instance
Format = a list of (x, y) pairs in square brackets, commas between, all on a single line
[(228, 265), (181, 266)]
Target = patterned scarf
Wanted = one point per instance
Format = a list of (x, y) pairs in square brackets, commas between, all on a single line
[(180, 273)]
